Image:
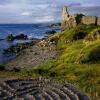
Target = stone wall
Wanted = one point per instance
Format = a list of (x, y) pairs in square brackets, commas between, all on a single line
[(98, 21), (70, 21), (65, 14), (89, 20)]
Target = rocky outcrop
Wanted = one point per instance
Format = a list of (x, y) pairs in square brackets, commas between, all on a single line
[(50, 32), (39, 89), (20, 46), (70, 21), (10, 37)]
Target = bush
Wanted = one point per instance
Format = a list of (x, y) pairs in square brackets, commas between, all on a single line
[(90, 53), (95, 34), (74, 34)]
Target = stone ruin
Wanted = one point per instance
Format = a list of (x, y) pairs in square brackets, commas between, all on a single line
[(70, 21)]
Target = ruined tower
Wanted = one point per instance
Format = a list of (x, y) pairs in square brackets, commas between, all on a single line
[(65, 14), (70, 21), (65, 17)]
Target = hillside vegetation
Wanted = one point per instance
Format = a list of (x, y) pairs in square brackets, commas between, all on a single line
[(79, 60)]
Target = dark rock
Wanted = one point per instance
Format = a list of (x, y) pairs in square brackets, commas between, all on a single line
[(16, 69), (20, 36), (2, 68), (10, 37), (1, 39), (19, 47), (39, 88), (51, 32), (55, 24)]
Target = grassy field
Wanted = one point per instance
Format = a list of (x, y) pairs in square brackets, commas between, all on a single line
[(78, 62)]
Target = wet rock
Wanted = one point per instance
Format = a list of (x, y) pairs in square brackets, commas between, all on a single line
[(51, 32), (39, 89), (20, 36), (19, 47)]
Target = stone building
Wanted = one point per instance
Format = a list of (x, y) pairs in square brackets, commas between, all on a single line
[(70, 21)]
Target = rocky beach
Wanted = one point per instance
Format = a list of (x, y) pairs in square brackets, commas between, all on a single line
[(34, 55), (15, 37)]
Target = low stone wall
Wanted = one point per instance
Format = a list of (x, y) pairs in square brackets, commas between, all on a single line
[(98, 21), (89, 20)]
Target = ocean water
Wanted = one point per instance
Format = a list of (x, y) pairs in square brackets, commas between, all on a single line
[(32, 30)]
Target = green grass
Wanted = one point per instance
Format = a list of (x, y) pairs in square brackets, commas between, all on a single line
[(78, 62), (95, 34), (90, 53), (77, 33)]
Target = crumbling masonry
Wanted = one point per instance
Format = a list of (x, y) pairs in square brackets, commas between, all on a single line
[(70, 21)]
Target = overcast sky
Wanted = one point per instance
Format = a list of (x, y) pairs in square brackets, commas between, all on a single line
[(38, 11)]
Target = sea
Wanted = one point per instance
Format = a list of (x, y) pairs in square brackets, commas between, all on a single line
[(31, 30)]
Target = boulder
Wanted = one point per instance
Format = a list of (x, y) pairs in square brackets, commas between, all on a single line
[(51, 32), (10, 37)]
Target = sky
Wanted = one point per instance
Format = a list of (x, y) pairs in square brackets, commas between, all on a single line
[(42, 11)]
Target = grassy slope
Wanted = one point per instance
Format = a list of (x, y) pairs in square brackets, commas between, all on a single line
[(78, 63)]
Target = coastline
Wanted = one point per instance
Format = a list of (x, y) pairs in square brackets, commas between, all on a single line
[(33, 55), (35, 31)]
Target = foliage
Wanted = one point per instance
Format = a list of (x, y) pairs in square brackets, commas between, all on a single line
[(95, 34), (90, 53)]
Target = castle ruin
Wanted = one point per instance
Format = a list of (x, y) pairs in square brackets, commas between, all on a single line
[(70, 21)]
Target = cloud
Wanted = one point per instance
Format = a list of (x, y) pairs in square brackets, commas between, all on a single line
[(44, 19), (26, 14), (26, 11)]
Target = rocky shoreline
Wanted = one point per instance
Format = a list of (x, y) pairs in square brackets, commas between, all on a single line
[(20, 46), (31, 54)]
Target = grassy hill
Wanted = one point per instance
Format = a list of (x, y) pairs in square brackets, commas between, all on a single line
[(78, 61)]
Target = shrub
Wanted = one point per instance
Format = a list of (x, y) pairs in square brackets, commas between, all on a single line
[(90, 53), (95, 34)]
